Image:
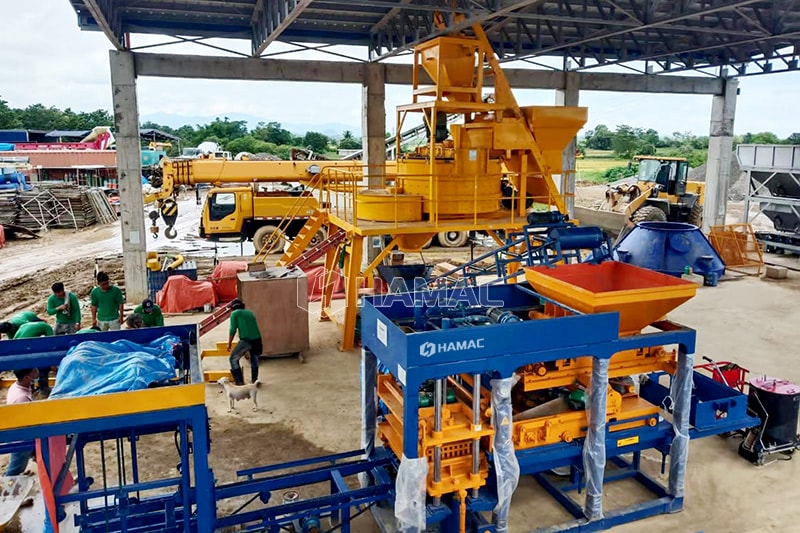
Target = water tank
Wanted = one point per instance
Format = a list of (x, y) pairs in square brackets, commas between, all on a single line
[(670, 247)]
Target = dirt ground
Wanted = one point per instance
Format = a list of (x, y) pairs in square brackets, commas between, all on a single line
[(312, 409)]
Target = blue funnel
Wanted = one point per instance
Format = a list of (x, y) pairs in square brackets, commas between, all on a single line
[(670, 247)]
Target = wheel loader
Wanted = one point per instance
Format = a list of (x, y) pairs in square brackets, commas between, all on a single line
[(662, 192)]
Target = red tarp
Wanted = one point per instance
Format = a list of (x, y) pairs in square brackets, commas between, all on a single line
[(181, 294), (224, 279), (316, 281)]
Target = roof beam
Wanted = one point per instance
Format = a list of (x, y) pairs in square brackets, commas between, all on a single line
[(107, 17), (275, 17), (721, 6), (230, 68), (470, 21)]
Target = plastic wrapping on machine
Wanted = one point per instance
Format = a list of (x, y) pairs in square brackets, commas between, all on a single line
[(594, 446), (506, 465), (681, 393), (92, 367), (410, 499)]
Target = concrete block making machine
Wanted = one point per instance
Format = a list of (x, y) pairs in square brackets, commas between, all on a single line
[(470, 388)]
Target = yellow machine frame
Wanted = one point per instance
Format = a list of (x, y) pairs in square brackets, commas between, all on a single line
[(498, 140)]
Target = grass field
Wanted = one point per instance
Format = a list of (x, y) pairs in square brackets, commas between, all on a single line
[(592, 167)]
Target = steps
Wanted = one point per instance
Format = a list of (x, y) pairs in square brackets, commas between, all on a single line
[(303, 239)]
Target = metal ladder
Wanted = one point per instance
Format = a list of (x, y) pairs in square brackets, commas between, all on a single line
[(303, 239)]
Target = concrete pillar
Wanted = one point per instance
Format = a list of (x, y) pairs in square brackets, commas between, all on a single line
[(129, 172), (373, 131), (373, 121), (720, 152), (568, 96)]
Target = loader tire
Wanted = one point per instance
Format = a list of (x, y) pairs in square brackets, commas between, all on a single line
[(261, 237), (696, 216), (649, 213), (453, 239)]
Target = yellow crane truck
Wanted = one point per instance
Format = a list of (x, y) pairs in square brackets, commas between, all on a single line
[(241, 211)]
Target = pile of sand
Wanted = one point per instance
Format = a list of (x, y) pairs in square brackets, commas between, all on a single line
[(738, 183)]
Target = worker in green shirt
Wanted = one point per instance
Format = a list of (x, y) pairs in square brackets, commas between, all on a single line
[(12, 325), (31, 330), (244, 322), (150, 313), (107, 304), (67, 309)]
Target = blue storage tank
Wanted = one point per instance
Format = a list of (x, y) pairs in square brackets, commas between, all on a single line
[(670, 247)]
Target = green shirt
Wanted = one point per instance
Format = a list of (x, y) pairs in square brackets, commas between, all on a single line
[(245, 321), (34, 329), (17, 320), (71, 315), (153, 318), (107, 302)]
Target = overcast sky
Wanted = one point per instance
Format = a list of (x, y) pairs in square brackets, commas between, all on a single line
[(47, 59)]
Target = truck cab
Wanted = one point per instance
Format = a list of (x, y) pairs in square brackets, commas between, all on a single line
[(245, 213)]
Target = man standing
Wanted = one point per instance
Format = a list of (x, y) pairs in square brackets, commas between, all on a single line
[(107, 304), (21, 392), (150, 313), (10, 328), (67, 309), (244, 321), (32, 330)]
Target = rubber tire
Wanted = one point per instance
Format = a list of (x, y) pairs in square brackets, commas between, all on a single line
[(260, 238), (320, 236), (453, 239), (649, 213), (428, 244), (696, 216)]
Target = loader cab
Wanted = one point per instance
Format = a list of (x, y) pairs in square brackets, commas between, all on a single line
[(670, 174)]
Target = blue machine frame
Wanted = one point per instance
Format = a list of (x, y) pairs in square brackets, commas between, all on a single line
[(498, 350)]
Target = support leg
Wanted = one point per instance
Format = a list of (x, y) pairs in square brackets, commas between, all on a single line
[(681, 392), (353, 275), (594, 447), (203, 478)]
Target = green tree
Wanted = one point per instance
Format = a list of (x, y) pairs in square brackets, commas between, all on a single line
[(794, 138), (764, 137), (39, 117), (248, 143), (220, 131), (600, 138), (349, 142), (316, 141), (272, 132), (625, 142), (9, 118)]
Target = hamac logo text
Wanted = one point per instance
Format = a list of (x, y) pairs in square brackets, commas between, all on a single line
[(429, 349)]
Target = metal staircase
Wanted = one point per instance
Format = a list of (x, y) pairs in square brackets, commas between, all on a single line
[(315, 223)]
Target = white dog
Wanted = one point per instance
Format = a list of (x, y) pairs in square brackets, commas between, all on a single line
[(240, 392)]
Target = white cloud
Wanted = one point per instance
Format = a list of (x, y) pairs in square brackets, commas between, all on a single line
[(49, 60)]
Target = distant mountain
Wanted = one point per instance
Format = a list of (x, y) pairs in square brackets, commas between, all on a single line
[(331, 129)]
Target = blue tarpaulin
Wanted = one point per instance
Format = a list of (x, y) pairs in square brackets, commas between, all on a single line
[(93, 367)]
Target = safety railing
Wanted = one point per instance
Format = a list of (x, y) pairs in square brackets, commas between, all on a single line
[(352, 194)]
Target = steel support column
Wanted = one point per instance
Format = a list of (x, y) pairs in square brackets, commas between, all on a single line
[(569, 96), (129, 173), (720, 152)]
